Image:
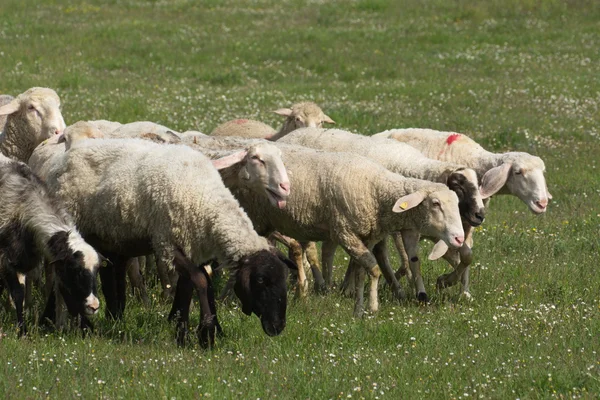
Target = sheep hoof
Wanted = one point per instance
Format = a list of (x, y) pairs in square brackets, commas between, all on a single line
[(358, 312), (442, 282), (320, 288), (422, 297), (466, 296), (399, 294)]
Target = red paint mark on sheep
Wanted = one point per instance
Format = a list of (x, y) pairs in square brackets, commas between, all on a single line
[(452, 138), (240, 121)]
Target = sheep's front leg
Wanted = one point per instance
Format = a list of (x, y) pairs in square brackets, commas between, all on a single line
[(460, 260), (296, 254), (16, 288), (180, 310), (312, 255), (467, 259), (327, 255), (380, 251), (410, 239), (366, 260), (403, 269), (137, 280)]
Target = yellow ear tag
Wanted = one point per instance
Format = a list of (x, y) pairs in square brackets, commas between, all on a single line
[(104, 264), (403, 205)]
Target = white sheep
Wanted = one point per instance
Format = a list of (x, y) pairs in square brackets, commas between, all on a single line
[(135, 197), (305, 114), (31, 118), (34, 225), (351, 201), (407, 161), (517, 173)]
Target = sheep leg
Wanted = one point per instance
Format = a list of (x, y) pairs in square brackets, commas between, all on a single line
[(109, 290), (312, 255), (466, 257), (348, 286), (410, 240), (121, 285), (359, 278), (162, 269), (48, 317), (327, 255), (137, 280), (404, 266), (296, 254), (114, 285), (180, 311), (49, 284), (365, 260), (380, 251), (16, 288)]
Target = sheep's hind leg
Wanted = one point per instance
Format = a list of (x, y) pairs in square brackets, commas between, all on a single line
[(312, 255), (380, 251), (16, 288)]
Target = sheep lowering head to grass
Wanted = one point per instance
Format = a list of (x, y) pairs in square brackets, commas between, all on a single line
[(34, 225), (300, 115), (133, 197), (31, 118)]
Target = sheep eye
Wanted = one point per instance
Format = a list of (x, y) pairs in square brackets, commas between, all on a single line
[(260, 280), (31, 107), (519, 172), (437, 203)]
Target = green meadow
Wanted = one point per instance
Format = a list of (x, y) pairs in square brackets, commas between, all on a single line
[(514, 75)]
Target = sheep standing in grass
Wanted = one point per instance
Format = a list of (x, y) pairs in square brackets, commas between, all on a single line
[(259, 168), (517, 173), (31, 118), (351, 201), (305, 114), (133, 197), (34, 225), (407, 161)]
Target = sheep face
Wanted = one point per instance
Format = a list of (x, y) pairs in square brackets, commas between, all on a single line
[(40, 109), (265, 173), (527, 182), (440, 212), (521, 175), (443, 218), (261, 287), (464, 183), (303, 115), (79, 131), (76, 272)]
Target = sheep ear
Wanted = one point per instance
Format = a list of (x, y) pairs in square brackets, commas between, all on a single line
[(327, 119), (61, 138), (407, 202), (285, 112), (242, 290), (438, 250), (229, 160), (10, 108), (494, 179)]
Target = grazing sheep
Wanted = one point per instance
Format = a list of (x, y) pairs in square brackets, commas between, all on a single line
[(31, 118), (135, 197), (407, 161), (351, 201), (305, 114), (516, 173), (34, 225), (260, 169)]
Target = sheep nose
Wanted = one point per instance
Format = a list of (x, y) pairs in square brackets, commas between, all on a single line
[(480, 216), (459, 240), (542, 203), (58, 131), (285, 186)]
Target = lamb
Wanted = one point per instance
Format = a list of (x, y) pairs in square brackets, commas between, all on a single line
[(516, 173), (31, 118), (133, 197), (305, 114), (34, 225), (327, 205), (407, 161)]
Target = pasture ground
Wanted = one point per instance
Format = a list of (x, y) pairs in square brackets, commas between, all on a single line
[(515, 75)]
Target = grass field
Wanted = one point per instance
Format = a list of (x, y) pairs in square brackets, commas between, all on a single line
[(515, 75)]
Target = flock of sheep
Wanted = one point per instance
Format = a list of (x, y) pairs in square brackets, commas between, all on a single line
[(99, 196)]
